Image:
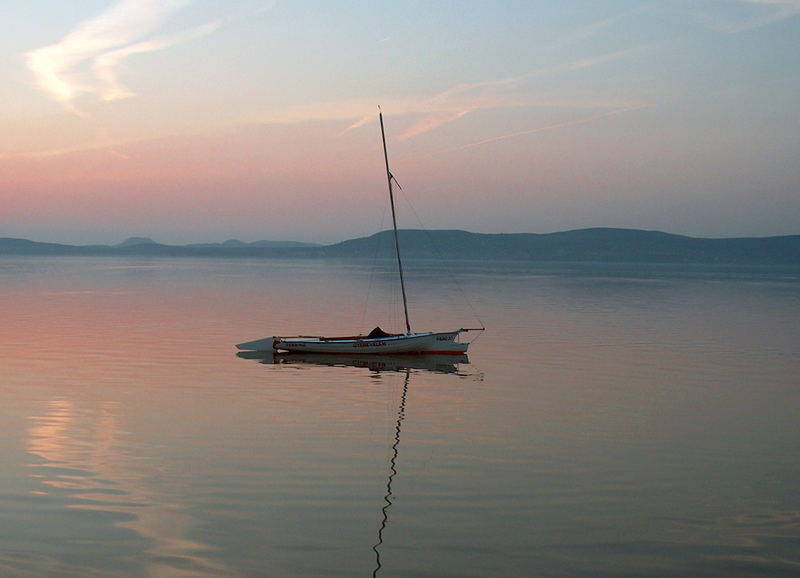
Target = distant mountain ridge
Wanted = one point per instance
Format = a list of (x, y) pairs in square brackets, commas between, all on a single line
[(235, 243), (595, 244), (133, 241), (231, 243)]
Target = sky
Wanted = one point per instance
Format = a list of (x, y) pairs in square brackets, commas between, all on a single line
[(203, 120)]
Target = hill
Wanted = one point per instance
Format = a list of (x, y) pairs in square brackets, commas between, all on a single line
[(235, 243), (133, 241), (598, 244)]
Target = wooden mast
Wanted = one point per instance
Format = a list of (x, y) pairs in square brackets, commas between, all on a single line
[(389, 178)]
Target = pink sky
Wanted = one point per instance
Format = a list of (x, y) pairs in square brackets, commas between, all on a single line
[(188, 122)]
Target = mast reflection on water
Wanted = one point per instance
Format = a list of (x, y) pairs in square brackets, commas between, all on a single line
[(401, 415)]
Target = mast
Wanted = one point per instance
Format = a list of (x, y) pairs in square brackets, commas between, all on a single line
[(389, 178)]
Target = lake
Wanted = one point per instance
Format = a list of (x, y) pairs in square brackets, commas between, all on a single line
[(612, 420)]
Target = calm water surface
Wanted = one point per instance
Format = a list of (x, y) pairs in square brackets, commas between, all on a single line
[(612, 420)]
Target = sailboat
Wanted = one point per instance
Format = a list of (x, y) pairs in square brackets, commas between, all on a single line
[(376, 341)]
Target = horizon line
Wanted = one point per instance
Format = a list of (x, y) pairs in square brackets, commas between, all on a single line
[(232, 241)]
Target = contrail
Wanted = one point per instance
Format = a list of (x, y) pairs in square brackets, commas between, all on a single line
[(546, 128)]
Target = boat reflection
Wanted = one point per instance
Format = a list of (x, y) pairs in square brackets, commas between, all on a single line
[(374, 362), (403, 366)]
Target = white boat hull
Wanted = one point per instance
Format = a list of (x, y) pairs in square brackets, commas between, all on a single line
[(441, 342)]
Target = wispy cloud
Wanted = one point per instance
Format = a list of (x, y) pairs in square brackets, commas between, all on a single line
[(102, 43), (566, 124), (586, 32), (786, 7), (781, 9), (461, 100), (765, 13)]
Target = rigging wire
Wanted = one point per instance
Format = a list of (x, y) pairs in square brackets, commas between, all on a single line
[(438, 254), (373, 268), (391, 310)]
